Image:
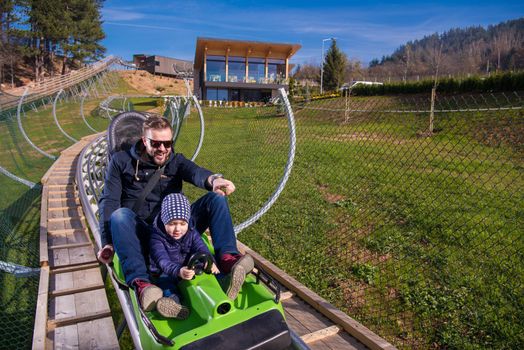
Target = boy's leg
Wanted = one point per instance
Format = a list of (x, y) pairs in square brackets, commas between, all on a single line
[(169, 306)]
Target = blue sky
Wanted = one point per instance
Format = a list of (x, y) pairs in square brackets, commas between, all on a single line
[(364, 29)]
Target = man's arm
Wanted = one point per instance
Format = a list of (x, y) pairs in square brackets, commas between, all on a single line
[(203, 178), (109, 201)]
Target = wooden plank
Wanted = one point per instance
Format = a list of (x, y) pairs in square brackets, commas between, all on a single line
[(61, 292), (343, 340), (94, 301), (295, 324), (359, 331), (66, 321), (66, 238), (40, 329), (67, 258), (65, 337), (44, 258), (65, 218), (74, 268), (62, 306), (286, 295), (70, 245), (99, 334), (65, 225), (60, 232), (320, 334)]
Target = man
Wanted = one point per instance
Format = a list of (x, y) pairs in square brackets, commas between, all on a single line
[(126, 225)]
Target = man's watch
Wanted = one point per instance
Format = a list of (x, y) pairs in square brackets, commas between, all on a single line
[(214, 177)]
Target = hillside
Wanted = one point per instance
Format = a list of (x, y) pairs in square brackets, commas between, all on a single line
[(153, 84), (458, 51)]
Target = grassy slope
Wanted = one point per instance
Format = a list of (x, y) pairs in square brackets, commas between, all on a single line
[(419, 238)]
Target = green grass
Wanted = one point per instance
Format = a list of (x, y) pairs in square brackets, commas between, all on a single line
[(20, 206), (419, 238)]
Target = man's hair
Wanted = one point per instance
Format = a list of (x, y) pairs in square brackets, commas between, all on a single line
[(155, 122)]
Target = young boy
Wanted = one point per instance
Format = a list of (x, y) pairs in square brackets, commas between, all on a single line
[(172, 243)]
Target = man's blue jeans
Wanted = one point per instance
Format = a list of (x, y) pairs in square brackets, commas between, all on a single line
[(131, 234)]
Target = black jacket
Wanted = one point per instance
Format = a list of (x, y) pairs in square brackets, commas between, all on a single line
[(126, 177)]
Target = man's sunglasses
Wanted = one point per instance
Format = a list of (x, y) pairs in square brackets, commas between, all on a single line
[(156, 143)]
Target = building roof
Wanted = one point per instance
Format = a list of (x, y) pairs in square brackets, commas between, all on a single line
[(242, 48)]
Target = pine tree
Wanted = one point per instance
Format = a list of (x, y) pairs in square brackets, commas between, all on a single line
[(86, 32), (334, 67)]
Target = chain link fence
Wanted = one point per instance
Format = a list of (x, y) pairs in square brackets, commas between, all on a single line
[(418, 234), (34, 128), (415, 231)]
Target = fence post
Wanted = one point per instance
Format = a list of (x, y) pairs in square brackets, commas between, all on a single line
[(432, 110)]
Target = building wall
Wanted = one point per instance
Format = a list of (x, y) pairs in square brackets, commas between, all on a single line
[(164, 65)]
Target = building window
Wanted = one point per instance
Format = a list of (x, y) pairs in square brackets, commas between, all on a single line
[(216, 68), (256, 70), (157, 63), (237, 69), (276, 70), (215, 94)]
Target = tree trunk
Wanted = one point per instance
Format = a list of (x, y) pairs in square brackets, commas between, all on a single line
[(64, 65)]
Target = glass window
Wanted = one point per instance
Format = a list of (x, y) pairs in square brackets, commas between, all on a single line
[(216, 68), (276, 72), (157, 63), (256, 72), (237, 69), (215, 94)]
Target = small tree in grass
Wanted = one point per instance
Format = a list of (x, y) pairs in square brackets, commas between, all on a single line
[(334, 67)]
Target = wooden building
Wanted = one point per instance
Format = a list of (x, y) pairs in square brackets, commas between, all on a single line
[(235, 70)]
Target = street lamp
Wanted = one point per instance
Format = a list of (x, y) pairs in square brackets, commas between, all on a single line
[(322, 64)]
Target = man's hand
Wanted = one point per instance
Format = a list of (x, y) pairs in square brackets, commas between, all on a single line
[(105, 255), (186, 273), (222, 186)]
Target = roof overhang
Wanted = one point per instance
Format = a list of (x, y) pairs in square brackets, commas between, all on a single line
[(242, 48)]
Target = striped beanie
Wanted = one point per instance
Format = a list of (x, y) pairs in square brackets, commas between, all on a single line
[(175, 207)]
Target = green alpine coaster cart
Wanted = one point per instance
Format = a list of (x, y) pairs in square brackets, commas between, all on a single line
[(254, 320)]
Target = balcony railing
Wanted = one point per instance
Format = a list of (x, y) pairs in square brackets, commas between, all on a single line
[(252, 80)]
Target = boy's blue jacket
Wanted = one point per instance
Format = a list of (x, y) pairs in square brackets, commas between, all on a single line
[(127, 175), (168, 255)]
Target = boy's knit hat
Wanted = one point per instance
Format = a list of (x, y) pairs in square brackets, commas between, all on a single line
[(175, 206)]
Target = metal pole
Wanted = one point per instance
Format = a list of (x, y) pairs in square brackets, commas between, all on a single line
[(322, 68)]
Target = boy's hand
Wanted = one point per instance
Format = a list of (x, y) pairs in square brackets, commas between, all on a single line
[(105, 255), (186, 273), (214, 269)]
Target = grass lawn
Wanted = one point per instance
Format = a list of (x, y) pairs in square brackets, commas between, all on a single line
[(418, 237)]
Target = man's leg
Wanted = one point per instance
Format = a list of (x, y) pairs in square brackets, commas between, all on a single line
[(212, 211), (131, 239), (129, 234)]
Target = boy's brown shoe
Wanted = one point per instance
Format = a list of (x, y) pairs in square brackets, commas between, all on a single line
[(171, 308)]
